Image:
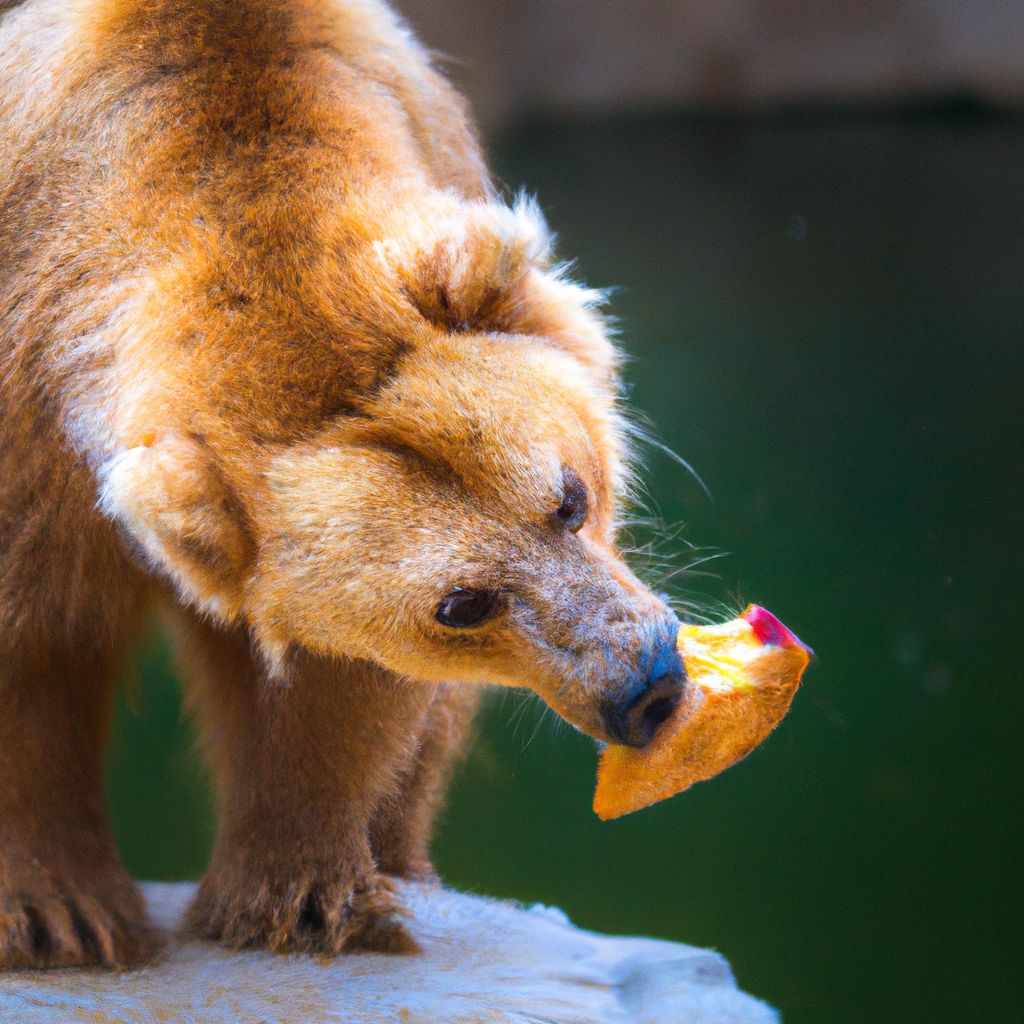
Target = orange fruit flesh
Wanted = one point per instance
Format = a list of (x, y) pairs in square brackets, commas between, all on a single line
[(742, 677)]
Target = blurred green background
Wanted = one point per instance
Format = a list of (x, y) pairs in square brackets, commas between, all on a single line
[(824, 317)]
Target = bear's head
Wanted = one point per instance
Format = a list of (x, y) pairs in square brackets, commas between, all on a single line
[(453, 521)]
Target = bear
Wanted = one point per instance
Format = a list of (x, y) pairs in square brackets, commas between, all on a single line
[(279, 361)]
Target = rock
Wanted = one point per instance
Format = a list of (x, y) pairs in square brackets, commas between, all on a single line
[(483, 960)]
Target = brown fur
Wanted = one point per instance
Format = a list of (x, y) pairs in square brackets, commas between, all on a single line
[(270, 344)]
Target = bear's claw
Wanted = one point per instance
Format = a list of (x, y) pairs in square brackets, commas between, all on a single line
[(48, 924), (321, 915)]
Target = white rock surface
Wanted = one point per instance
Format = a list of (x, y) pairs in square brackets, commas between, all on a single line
[(483, 962)]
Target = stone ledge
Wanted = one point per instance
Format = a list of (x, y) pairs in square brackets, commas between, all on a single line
[(483, 960)]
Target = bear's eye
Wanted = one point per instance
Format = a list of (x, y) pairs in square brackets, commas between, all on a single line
[(572, 512), (464, 607)]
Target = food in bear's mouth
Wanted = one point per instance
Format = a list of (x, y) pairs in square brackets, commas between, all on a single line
[(742, 676)]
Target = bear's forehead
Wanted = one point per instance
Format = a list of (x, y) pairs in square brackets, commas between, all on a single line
[(493, 401)]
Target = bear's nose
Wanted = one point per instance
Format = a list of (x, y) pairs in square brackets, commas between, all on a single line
[(635, 718)]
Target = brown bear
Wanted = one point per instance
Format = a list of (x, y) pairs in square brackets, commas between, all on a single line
[(276, 357)]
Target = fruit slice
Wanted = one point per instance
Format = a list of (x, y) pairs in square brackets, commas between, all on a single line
[(742, 678)]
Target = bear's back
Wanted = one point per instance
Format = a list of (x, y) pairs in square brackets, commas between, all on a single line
[(186, 181)]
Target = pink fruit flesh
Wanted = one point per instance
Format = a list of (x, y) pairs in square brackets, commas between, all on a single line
[(770, 631)]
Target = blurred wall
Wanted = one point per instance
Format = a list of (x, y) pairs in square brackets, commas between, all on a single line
[(558, 56)]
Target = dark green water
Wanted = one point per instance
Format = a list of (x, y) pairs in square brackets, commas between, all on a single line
[(825, 320)]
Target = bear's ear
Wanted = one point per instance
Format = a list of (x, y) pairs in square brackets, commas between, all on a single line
[(487, 267), (172, 499), (460, 266)]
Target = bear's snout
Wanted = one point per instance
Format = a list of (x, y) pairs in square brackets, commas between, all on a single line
[(634, 717)]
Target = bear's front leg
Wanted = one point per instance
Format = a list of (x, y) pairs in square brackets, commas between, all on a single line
[(68, 606), (299, 768)]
